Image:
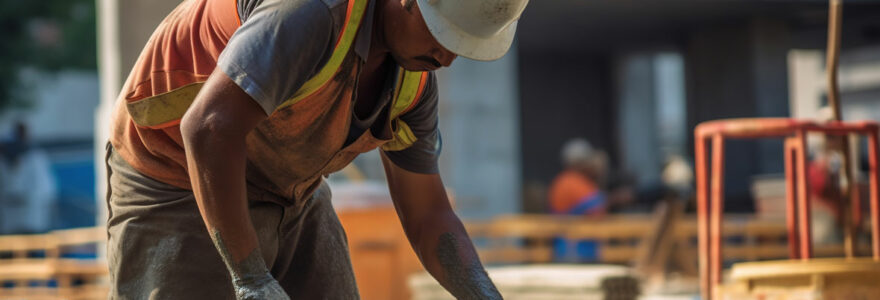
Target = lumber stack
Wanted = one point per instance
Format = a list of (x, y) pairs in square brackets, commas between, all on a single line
[(824, 278), (47, 266)]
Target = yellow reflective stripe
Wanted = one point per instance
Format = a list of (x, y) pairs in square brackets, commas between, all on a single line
[(398, 81), (336, 59), (168, 108), (406, 92), (164, 108), (403, 137)]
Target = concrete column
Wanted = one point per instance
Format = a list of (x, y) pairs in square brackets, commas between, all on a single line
[(479, 122), (651, 112), (637, 117)]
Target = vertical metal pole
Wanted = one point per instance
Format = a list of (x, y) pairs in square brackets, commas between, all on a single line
[(875, 206), (832, 52), (716, 208), (849, 201), (803, 197), (853, 218), (702, 215), (790, 196)]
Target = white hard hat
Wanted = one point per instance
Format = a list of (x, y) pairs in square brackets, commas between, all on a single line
[(576, 151), (476, 29)]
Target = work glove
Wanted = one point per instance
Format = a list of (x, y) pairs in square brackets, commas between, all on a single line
[(251, 279), (257, 287)]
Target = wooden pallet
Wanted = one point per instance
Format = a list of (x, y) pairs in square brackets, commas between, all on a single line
[(30, 262)]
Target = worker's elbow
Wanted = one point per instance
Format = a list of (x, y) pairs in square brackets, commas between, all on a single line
[(199, 131), (192, 129)]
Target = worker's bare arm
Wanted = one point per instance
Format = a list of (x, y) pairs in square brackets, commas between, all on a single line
[(436, 234), (214, 131)]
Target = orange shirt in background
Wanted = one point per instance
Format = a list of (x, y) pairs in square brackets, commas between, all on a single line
[(568, 190)]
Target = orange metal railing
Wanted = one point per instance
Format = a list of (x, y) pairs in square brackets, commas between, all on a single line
[(710, 186)]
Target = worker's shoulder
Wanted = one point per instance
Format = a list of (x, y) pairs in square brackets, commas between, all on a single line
[(285, 10), (330, 5), (334, 3), (338, 9), (292, 14), (334, 9)]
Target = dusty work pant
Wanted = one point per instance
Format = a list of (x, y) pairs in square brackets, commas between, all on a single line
[(159, 248)]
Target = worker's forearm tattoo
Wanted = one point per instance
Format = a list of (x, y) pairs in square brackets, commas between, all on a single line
[(467, 280), (250, 277)]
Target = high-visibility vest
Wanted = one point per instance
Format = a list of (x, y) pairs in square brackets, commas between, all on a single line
[(166, 109)]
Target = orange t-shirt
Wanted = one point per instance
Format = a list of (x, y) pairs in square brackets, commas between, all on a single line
[(182, 50), (568, 189)]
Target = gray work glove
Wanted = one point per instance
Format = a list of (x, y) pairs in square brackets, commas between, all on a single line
[(251, 279), (258, 288)]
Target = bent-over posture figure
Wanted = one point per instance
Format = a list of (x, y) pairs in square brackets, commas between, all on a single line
[(237, 109)]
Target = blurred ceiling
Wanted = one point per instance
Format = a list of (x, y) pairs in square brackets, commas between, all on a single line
[(600, 25)]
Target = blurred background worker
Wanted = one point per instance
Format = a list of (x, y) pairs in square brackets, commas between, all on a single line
[(578, 190), (28, 188)]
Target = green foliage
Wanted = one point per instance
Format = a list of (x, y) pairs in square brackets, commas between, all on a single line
[(45, 34)]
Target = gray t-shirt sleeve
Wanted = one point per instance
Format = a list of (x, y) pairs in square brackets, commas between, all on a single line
[(279, 46), (422, 156)]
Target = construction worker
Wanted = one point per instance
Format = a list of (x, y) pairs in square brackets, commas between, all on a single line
[(236, 110), (577, 190)]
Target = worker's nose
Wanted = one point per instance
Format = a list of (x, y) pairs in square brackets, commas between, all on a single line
[(445, 57), (451, 57)]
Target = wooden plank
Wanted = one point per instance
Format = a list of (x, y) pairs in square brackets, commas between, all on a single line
[(34, 269), (30, 242), (527, 238), (80, 236)]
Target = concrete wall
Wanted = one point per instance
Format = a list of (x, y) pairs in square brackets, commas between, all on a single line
[(479, 121), (737, 71), (637, 120)]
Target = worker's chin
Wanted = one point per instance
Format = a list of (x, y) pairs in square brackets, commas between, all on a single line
[(413, 65), (420, 67)]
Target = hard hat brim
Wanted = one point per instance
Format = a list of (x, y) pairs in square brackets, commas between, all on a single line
[(463, 44)]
